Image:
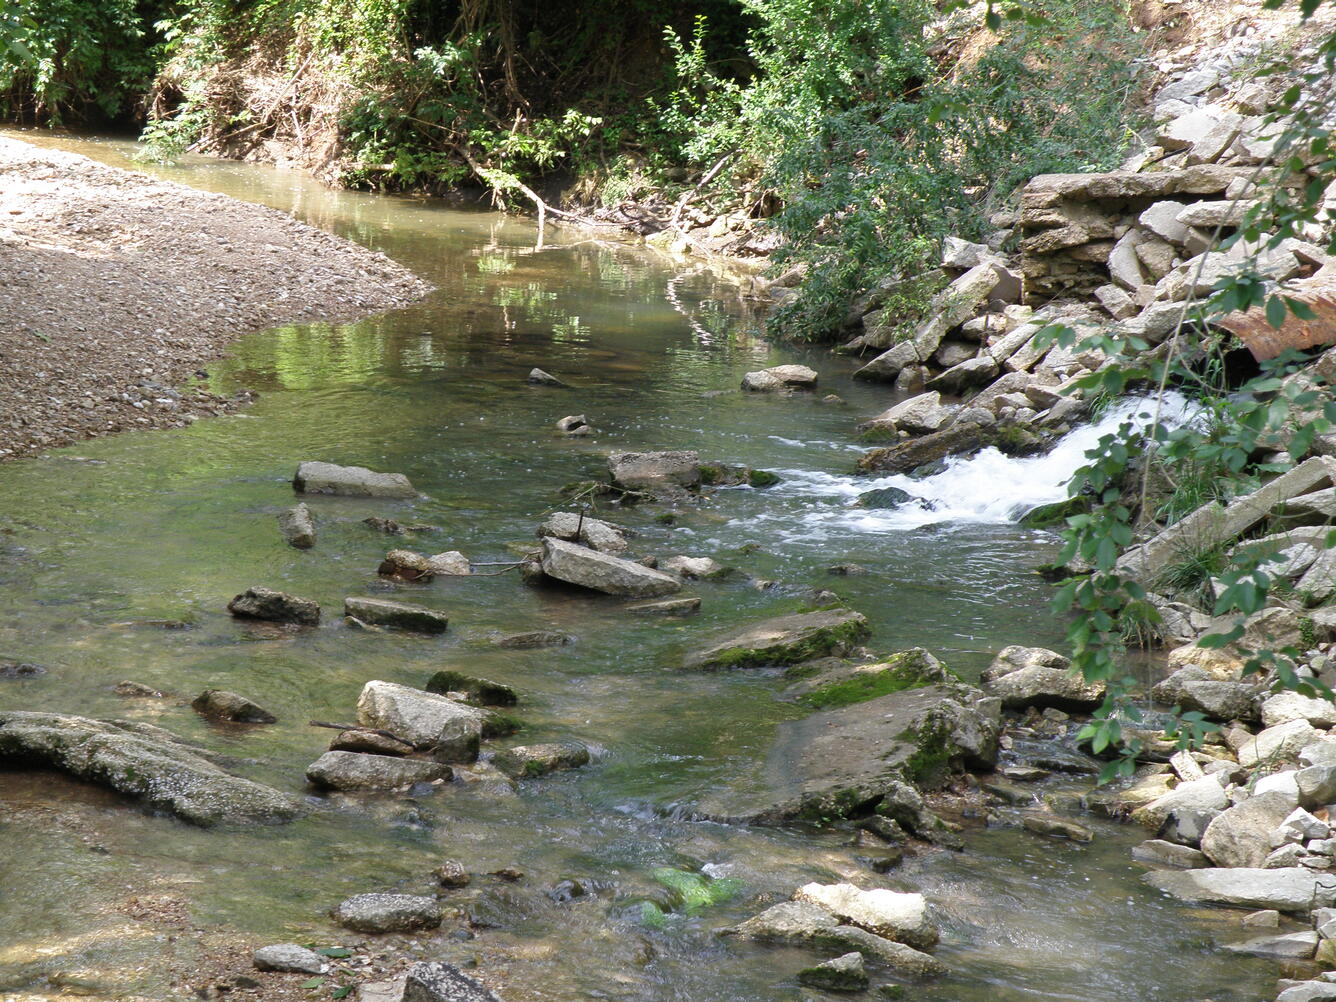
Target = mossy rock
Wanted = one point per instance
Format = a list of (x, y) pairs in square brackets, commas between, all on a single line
[(910, 669), (785, 641), (883, 498), (479, 690), (1047, 516)]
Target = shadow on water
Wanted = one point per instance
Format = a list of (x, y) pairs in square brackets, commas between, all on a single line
[(110, 542)]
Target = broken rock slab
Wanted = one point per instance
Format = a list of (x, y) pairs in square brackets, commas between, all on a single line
[(785, 640), (780, 377), (400, 615), (350, 481), (602, 572)]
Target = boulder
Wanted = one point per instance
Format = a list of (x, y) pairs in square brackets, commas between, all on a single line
[(695, 567), (1161, 853), (531, 761), (388, 913), (592, 532), (961, 255), (902, 917), (219, 704), (440, 982), (573, 424), (1317, 785), (1286, 946), (923, 413), (274, 606), (143, 762), (883, 498), (424, 718), (1241, 836), (478, 690), (1201, 796), (350, 481), (1309, 991), (1162, 220), (400, 615), (533, 640), (965, 375), (360, 739), (655, 471), (347, 770), (452, 873), (406, 566), (1281, 743), (538, 377), (785, 640), (670, 607), (845, 973), (1194, 688), (288, 958), (1284, 707), (602, 572), (1295, 889), (298, 527), (450, 564), (1032, 676), (780, 377)]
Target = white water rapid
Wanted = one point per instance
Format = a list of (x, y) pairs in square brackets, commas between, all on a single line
[(986, 488)]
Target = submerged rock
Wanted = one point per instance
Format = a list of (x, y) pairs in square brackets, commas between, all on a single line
[(19, 669), (452, 873), (388, 913), (883, 498), (533, 640), (401, 615), (350, 481), (288, 958), (219, 704), (538, 377), (786, 640), (438, 982), (531, 761), (298, 527), (670, 607), (274, 606), (574, 424), (601, 572), (144, 762), (347, 770)]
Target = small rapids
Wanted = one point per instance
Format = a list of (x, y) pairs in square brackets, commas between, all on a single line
[(988, 488)]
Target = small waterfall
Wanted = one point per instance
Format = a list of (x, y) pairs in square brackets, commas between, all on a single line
[(986, 488)]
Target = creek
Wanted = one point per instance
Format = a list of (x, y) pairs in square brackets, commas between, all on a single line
[(118, 556)]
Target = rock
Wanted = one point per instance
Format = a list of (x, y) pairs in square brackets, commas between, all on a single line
[(1162, 853), (143, 762), (537, 377), (695, 567), (1279, 782), (1056, 827), (780, 377), (534, 639), (406, 566), (965, 375), (1241, 836), (1277, 744), (1162, 220), (1201, 796), (592, 532), (655, 471), (426, 719), (1284, 707), (400, 615), (532, 761), (288, 958), (350, 481), (923, 413), (902, 917), (785, 640), (572, 424), (219, 704), (1194, 689), (603, 572), (1267, 918), (388, 913), (1032, 676), (452, 873), (346, 770), (359, 739), (298, 527), (1301, 826), (478, 690), (136, 690), (275, 606), (1119, 304), (952, 353), (1294, 945), (962, 255), (957, 438), (671, 607), (1317, 785), (439, 982), (1296, 889), (451, 564), (1309, 991), (842, 974)]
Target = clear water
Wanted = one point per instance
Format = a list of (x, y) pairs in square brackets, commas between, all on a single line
[(101, 541)]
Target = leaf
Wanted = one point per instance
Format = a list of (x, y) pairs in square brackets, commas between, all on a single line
[(341, 992), (337, 952), (1275, 312), (312, 983)]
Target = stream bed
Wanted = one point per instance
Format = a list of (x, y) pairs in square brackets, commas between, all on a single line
[(118, 557)]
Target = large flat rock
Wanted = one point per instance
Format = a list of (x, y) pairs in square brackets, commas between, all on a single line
[(143, 762), (1288, 889), (784, 641), (350, 481), (602, 572)]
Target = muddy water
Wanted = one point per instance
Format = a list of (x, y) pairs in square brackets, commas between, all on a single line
[(117, 558)]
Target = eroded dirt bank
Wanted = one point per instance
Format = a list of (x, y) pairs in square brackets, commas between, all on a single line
[(116, 288)]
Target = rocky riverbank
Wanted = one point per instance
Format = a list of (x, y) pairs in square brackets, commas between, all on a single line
[(121, 288)]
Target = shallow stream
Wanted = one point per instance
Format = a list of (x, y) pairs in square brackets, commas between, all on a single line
[(118, 556)]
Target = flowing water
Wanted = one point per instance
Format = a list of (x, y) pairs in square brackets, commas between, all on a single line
[(117, 558)]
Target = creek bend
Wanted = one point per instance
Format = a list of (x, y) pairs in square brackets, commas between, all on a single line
[(109, 540)]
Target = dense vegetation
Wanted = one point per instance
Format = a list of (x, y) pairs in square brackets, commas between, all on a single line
[(865, 131)]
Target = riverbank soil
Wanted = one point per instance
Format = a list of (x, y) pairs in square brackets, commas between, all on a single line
[(118, 288)]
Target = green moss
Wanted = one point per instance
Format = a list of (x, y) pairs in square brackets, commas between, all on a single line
[(694, 891), (903, 671), (1056, 514), (711, 473), (1013, 440), (879, 433), (762, 478), (931, 760)]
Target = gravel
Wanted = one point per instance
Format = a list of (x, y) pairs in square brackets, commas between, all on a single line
[(118, 287)]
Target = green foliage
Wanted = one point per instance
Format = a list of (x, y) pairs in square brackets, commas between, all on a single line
[(694, 891)]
